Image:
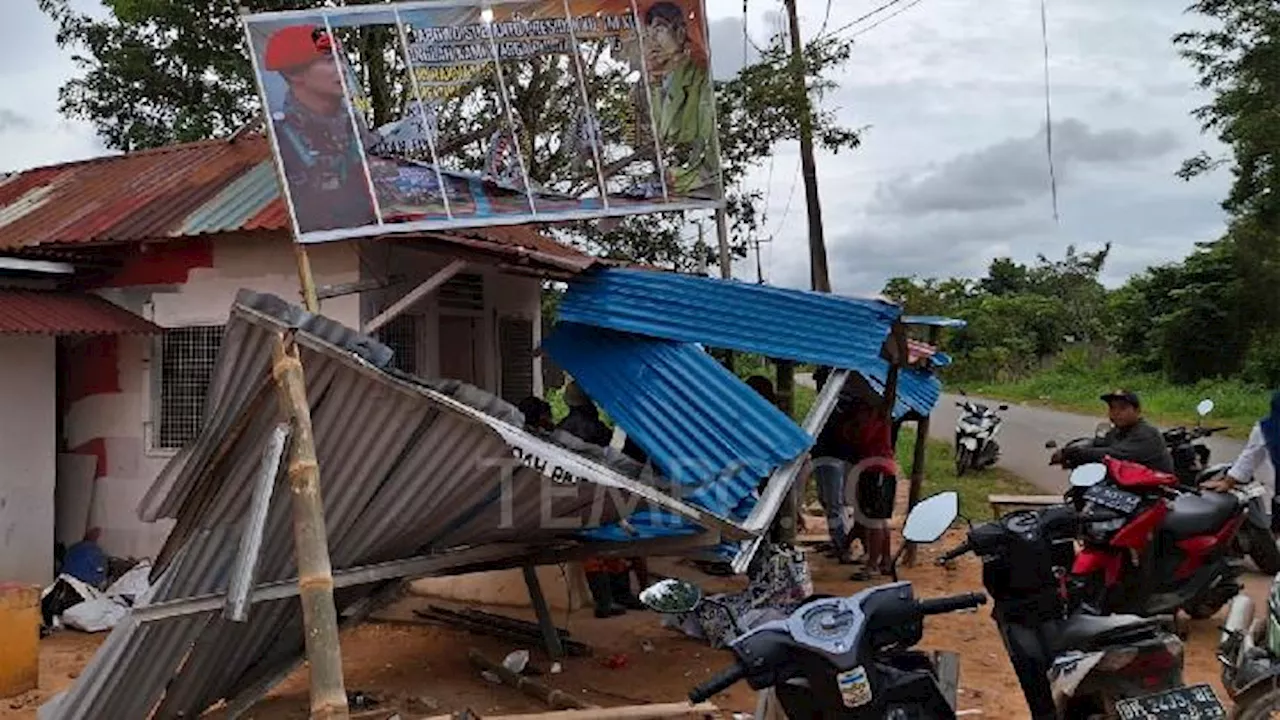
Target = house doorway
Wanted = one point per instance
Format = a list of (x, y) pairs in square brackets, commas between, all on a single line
[(460, 349)]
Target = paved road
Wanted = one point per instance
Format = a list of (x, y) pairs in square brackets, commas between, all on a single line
[(1026, 429)]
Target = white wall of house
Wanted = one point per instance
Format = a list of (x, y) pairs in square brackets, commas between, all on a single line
[(127, 421), (28, 433)]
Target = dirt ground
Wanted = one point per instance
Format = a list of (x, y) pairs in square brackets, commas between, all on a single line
[(422, 670)]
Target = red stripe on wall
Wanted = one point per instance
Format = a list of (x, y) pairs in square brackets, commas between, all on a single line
[(170, 263), (92, 367)]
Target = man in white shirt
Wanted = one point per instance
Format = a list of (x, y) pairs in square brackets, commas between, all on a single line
[(1258, 460)]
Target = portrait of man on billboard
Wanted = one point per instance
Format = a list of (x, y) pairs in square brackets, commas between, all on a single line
[(681, 98), (318, 145)]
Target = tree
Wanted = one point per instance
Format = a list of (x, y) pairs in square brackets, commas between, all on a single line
[(1238, 60), (1005, 277), (156, 72)]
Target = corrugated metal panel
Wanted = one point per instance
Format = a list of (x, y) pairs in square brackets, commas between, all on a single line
[(55, 313), (215, 186), (918, 390), (405, 468), (698, 423), (775, 322), (934, 321)]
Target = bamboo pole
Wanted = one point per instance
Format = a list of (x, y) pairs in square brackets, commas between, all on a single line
[(311, 545), (306, 281)]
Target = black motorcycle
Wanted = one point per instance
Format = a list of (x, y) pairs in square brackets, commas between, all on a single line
[(845, 658), (1249, 651), (1186, 445)]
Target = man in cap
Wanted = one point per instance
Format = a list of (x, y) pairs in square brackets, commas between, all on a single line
[(1131, 437), (318, 145)]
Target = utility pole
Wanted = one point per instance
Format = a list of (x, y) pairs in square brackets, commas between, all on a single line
[(819, 278)]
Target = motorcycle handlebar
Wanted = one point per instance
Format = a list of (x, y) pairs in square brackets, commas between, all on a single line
[(956, 552), (717, 684), (939, 606)]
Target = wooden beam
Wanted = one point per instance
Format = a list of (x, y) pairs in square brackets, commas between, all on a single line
[(917, 476), (324, 292), (550, 635), (427, 287), (630, 712)]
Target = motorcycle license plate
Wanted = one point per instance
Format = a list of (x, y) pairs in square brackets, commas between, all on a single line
[(1194, 702), (1113, 498)]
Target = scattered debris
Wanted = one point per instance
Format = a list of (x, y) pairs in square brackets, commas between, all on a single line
[(615, 662), (517, 661), (498, 626), (556, 699), (360, 700), (556, 668), (646, 645), (632, 712)]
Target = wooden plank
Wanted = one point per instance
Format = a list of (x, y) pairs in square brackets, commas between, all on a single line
[(557, 699), (1001, 504), (550, 633), (427, 287), (630, 712), (947, 665)]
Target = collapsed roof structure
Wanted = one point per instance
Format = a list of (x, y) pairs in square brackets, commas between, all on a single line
[(433, 477)]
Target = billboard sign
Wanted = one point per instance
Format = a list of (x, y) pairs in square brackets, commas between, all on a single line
[(416, 116)]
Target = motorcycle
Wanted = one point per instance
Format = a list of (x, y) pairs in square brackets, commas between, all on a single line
[(1166, 549), (1070, 663), (841, 657), (1186, 445), (976, 430), (852, 658), (1249, 652)]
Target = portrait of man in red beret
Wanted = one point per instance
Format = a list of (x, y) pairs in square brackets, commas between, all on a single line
[(319, 146)]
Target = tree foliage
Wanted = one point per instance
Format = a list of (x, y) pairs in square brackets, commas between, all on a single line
[(157, 72)]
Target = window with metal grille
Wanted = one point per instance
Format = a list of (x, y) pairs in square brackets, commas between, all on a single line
[(401, 335), (515, 339), (187, 358), (463, 292)]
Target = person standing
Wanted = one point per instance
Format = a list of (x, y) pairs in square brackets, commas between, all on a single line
[(1258, 460), (874, 481), (832, 458), (608, 577)]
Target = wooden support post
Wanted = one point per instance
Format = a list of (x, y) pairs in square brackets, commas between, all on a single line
[(310, 540), (550, 635), (917, 476), (427, 287), (306, 282), (788, 513)]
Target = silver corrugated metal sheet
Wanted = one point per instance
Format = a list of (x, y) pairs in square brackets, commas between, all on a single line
[(407, 468)]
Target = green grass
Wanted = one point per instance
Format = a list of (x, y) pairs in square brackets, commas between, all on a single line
[(1076, 389), (973, 488)]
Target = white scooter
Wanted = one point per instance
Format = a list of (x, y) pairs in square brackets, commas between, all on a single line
[(976, 430)]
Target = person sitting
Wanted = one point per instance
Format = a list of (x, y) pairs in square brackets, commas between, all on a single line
[(1131, 438)]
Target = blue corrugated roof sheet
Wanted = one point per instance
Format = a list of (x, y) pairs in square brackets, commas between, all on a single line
[(700, 425), (918, 390), (776, 322)]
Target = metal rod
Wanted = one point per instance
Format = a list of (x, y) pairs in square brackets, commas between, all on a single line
[(424, 289), (340, 64), (511, 121), (586, 105), (783, 478), (422, 113), (311, 544), (245, 568), (555, 645), (648, 102)]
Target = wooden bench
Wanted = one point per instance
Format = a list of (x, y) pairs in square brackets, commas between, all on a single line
[(1002, 504)]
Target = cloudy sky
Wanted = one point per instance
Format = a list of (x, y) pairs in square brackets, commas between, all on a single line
[(952, 171)]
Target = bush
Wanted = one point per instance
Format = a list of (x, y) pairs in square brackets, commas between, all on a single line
[(1262, 363)]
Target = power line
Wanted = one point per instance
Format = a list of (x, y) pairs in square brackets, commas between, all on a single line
[(867, 16), (885, 19), (1048, 110), (825, 19), (791, 194)]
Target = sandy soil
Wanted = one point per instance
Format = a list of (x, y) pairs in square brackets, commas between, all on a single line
[(422, 670)]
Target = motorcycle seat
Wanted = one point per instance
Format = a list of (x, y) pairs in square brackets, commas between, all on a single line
[(1087, 633), (1194, 515)]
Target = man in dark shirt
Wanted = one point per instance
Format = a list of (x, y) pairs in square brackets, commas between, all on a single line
[(1132, 438)]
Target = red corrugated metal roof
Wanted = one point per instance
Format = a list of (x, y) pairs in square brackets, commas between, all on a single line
[(56, 313), (181, 191)]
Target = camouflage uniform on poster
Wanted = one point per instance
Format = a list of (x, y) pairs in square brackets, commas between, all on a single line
[(318, 146)]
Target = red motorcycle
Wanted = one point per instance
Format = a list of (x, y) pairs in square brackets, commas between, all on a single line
[(1167, 549)]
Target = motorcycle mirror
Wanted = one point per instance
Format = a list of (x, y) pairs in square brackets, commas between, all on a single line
[(1102, 429), (1051, 445), (672, 596), (931, 517), (1205, 407), (1086, 476), (1004, 407)]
